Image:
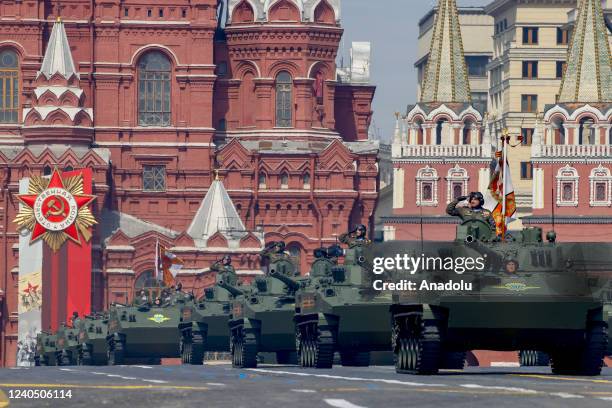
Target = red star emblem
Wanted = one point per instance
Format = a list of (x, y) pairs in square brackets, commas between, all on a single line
[(31, 288), (55, 209)]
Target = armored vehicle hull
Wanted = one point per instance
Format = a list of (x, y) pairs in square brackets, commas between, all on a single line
[(67, 344), (530, 296), (203, 327), (46, 350), (93, 346), (142, 334), (336, 313), (353, 329), (253, 331)]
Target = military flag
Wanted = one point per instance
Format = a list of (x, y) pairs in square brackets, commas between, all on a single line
[(168, 265), (501, 182)]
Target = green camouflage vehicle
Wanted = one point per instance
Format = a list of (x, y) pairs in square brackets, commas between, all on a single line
[(203, 322), (67, 343), (261, 320), (144, 333), (530, 295), (93, 347), (45, 354), (334, 312)]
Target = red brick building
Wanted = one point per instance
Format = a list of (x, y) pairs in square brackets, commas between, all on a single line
[(153, 97)]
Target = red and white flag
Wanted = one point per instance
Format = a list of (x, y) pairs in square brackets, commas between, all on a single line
[(494, 201), (167, 264)]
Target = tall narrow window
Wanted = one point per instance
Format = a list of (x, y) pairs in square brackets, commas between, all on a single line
[(154, 90), (529, 103), (9, 87), (530, 69), (562, 36), (284, 100), (262, 180), (530, 35), (527, 134), (284, 181), (526, 170), (561, 65), (306, 180)]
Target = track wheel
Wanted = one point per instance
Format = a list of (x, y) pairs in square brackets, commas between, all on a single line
[(418, 348), (589, 359), (116, 352), (244, 348)]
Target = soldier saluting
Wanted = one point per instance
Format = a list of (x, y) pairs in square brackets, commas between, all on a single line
[(225, 270), (274, 251), (356, 237), (473, 211)]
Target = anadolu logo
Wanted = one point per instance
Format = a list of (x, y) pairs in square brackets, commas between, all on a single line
[(159, 318)]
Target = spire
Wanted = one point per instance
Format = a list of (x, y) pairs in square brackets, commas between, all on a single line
[(216, 214), (446, 78), (58, 59), (588, 74)]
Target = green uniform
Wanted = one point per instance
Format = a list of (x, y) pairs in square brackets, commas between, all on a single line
[(467, 213), (352, 241), (274, 256), (225, 273)]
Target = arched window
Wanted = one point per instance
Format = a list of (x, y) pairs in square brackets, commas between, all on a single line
[(284, 100), (427, 187), (146, 280), (9, 87), (295, 251), (47, 170), (567, 186), (284, 180), (154, 90), (586, 133), (68, 168), (441, 129)]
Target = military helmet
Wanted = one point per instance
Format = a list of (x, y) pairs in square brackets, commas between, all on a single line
[(227, 258), (361, 227), (477, 195)]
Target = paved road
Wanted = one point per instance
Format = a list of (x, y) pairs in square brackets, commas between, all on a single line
[(285, 386)]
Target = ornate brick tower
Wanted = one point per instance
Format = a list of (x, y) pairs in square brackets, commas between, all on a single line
[(572, 150), (439, 151), (293, 136)]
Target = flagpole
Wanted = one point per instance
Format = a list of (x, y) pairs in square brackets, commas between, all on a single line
[(504, 169), (157, 259)]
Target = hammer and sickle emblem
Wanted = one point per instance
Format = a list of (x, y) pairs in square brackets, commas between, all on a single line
[(55, 208)]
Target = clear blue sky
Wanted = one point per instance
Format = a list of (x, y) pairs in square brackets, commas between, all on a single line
[(392, 28)]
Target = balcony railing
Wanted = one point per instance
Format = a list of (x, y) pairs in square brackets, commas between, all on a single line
[(414, 151), (574, 151)]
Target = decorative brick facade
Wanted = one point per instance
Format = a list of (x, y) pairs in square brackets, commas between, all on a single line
[(162, 96)]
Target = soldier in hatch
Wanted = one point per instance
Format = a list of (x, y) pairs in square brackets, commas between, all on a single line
[(275, 251), (473, 211), (356, 237), (74, 320), (142, 298), (225, 270)]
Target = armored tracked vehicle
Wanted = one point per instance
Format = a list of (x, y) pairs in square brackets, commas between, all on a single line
[(67, 343), (530, 295), (261, 320), (335, 312), (93, 347), (46, 350), (203, 322), (144, 333)]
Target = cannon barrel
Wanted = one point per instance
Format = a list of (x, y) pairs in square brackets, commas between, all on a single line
[(233, 290), (290, 282)]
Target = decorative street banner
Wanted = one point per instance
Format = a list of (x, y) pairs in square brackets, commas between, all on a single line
[(55, 210), (30, 292)]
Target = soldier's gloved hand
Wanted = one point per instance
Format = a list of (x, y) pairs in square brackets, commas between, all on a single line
[(462, 198)]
